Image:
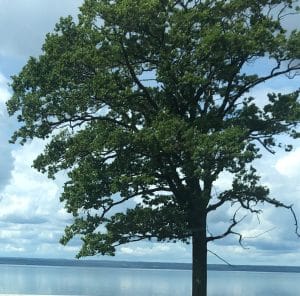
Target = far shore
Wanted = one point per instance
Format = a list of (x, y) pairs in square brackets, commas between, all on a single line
[(143, 265)]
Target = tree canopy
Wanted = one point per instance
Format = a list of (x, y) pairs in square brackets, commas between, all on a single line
[(149, 101)]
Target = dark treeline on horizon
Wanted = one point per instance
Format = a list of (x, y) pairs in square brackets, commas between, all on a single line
[(143, 265)]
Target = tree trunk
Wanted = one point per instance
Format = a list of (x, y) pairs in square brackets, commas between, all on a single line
[(199, 285)]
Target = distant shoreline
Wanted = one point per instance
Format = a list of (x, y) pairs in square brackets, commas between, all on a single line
[(143, 265)]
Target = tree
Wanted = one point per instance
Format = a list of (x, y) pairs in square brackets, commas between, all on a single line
[(150, 99)]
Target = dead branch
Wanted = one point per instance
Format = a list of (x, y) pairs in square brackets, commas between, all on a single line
[(219, 257), (234, 222)]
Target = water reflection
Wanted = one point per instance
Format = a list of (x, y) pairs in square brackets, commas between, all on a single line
[(253, 284), (133, 282), (93, 281)]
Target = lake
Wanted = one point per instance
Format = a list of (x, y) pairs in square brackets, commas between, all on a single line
[(102, 281)]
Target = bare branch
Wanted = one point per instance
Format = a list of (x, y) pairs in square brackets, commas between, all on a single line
[(234, 222), (208, 231), (219, 257), (276, 67), (79, 120), (135, 78), (214, 206), (131, 240), (259, 80), (259, 234), (277, 203), (295, 220), (145, 191), (262, 143)]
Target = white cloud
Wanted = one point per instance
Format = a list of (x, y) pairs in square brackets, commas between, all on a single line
[(31, 216), (12, 248), (4, 92), (141, 252), (6, 126), (147, 251), (289, 165), (224, 182)]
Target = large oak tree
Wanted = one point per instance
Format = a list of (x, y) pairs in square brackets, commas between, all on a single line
[(150, 99)]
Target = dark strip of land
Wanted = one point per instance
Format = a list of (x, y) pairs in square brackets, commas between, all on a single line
[(143, 265)]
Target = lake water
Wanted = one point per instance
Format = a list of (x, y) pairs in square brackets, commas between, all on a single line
[(44, 280)]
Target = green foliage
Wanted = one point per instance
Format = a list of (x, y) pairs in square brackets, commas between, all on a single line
[(147, 101)]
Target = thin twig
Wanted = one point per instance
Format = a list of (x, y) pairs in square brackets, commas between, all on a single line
[(219, 257)]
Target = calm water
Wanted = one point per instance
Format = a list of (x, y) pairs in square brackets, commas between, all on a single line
[(137, 282)]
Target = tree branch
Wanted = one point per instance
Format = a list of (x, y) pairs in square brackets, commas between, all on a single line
[(142, 192), (229, 230), (247, 87), (219, 257), (277, 203), (135, 78), (214, 206)]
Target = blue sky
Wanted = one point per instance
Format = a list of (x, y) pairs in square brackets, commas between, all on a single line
[(31, 217)]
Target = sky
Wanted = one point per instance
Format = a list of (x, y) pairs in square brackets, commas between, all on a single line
[(31, 217)]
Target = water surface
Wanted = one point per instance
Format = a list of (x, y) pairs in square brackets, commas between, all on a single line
[(97, 281)]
